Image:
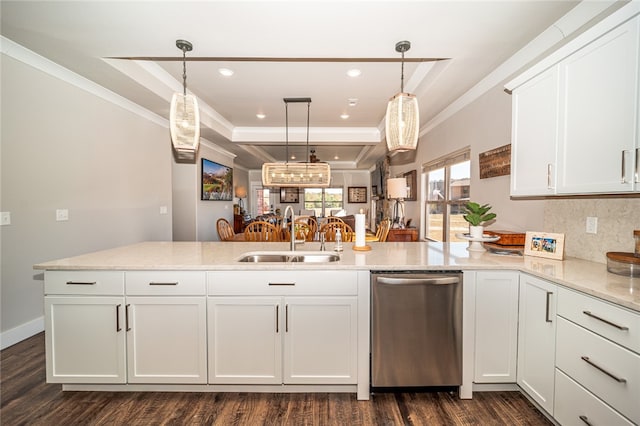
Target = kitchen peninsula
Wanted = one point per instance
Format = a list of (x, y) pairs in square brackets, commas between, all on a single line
[(188, 316)]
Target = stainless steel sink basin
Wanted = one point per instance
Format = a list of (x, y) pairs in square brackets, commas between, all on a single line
[(289, 257)]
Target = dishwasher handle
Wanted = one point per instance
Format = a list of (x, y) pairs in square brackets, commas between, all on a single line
[(418, 281)]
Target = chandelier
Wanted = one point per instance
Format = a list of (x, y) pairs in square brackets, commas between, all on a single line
[(300, 175)]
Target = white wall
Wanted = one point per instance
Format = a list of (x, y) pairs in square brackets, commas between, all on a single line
[(66, 148)]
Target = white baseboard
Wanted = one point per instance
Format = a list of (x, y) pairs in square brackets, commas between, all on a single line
[(21, 332)]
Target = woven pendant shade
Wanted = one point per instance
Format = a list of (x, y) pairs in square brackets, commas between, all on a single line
[(402, 122), (184, 119)]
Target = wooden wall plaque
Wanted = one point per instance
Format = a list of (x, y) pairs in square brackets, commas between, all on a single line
[(496, 162)]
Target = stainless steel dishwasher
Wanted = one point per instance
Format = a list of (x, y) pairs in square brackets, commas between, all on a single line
[(416, 329)]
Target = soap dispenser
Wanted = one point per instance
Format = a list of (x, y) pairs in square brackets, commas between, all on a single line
[(338, 242)]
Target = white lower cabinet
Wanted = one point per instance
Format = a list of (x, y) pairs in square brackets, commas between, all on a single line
[(85, 339), (282, 327), (597, 348), (496, 326), (106, 327), (537, 339), (166, 339), (576, 406)]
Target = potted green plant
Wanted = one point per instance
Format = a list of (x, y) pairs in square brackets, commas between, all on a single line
[(477, 215)]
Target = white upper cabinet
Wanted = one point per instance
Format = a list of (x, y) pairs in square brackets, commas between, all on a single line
[(597, 152), (535, 130), (575, 116)]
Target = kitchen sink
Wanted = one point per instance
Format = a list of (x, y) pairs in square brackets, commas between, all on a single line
[(289, 257)]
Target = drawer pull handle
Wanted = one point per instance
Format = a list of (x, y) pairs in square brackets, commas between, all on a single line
[(82, 282), (585, 419), (277, 318), (597, 367), (619, 327), (293, 283), (286, 318), (126, 317), (118, 328), (546, 314), (155, 283)]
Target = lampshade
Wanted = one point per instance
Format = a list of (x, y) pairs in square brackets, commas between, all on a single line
[(241, 192), (299, 175), (402, 121), (184, 116), (397, 188)]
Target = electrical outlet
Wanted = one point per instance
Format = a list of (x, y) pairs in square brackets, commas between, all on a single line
[(592, 225), (62, 215), (5, 218), (163, 209)]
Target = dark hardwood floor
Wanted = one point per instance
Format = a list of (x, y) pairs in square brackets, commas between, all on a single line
[(28, 400)]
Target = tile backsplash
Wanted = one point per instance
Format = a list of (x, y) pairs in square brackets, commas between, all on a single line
[(617, 219)]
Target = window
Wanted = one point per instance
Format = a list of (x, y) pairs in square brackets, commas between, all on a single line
[(323, 200), (448, 185), (262, 204)]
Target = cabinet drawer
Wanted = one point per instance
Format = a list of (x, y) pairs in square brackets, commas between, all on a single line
[(161, 283), (574, 406), (106, 283), (280, 283), (595, 363), (610, 321)]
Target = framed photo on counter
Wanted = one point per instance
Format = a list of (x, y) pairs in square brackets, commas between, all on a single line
[(544, 244)]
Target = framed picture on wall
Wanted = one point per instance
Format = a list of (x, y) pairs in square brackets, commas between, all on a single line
[(289, 195), (357, 194), (412, 185), (216, 182)]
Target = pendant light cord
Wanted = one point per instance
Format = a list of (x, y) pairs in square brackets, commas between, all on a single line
[(308, 109), (286, 119), (184, 71), (402, 74)]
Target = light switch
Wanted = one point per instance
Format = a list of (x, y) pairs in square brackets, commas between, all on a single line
[(5, 218), (163, 209), (592, 225)]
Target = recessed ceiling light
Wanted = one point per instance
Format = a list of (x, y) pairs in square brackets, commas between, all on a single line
[(293, 157), (354, 72), (261, 116), (344, 116), (335, 157), (353, 102), (225, 72)]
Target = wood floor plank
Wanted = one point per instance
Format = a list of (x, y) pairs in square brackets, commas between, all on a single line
[(26, 399)]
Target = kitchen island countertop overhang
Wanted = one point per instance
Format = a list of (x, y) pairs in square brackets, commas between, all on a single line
[(585, 276)]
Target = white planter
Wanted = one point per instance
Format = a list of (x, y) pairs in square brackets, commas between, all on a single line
[(476, 231)]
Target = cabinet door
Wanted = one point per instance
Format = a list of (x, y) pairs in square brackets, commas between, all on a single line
[(535, 134), (496, 327), (166, 339), (85, 339), (597, 152), (245, 344), (536, 339), (320, 340)]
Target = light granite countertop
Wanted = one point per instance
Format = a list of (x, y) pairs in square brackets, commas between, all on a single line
[(588, 277)]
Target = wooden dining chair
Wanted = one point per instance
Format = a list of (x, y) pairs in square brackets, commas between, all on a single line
[(311, 222), (330, 229), (262, 231), (383, 230), (225, 230)]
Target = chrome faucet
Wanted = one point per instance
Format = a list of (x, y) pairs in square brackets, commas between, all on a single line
[(292, 227)]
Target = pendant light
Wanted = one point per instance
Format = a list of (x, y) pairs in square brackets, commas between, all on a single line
[(403, 118), (299, 175), (184, 116)]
